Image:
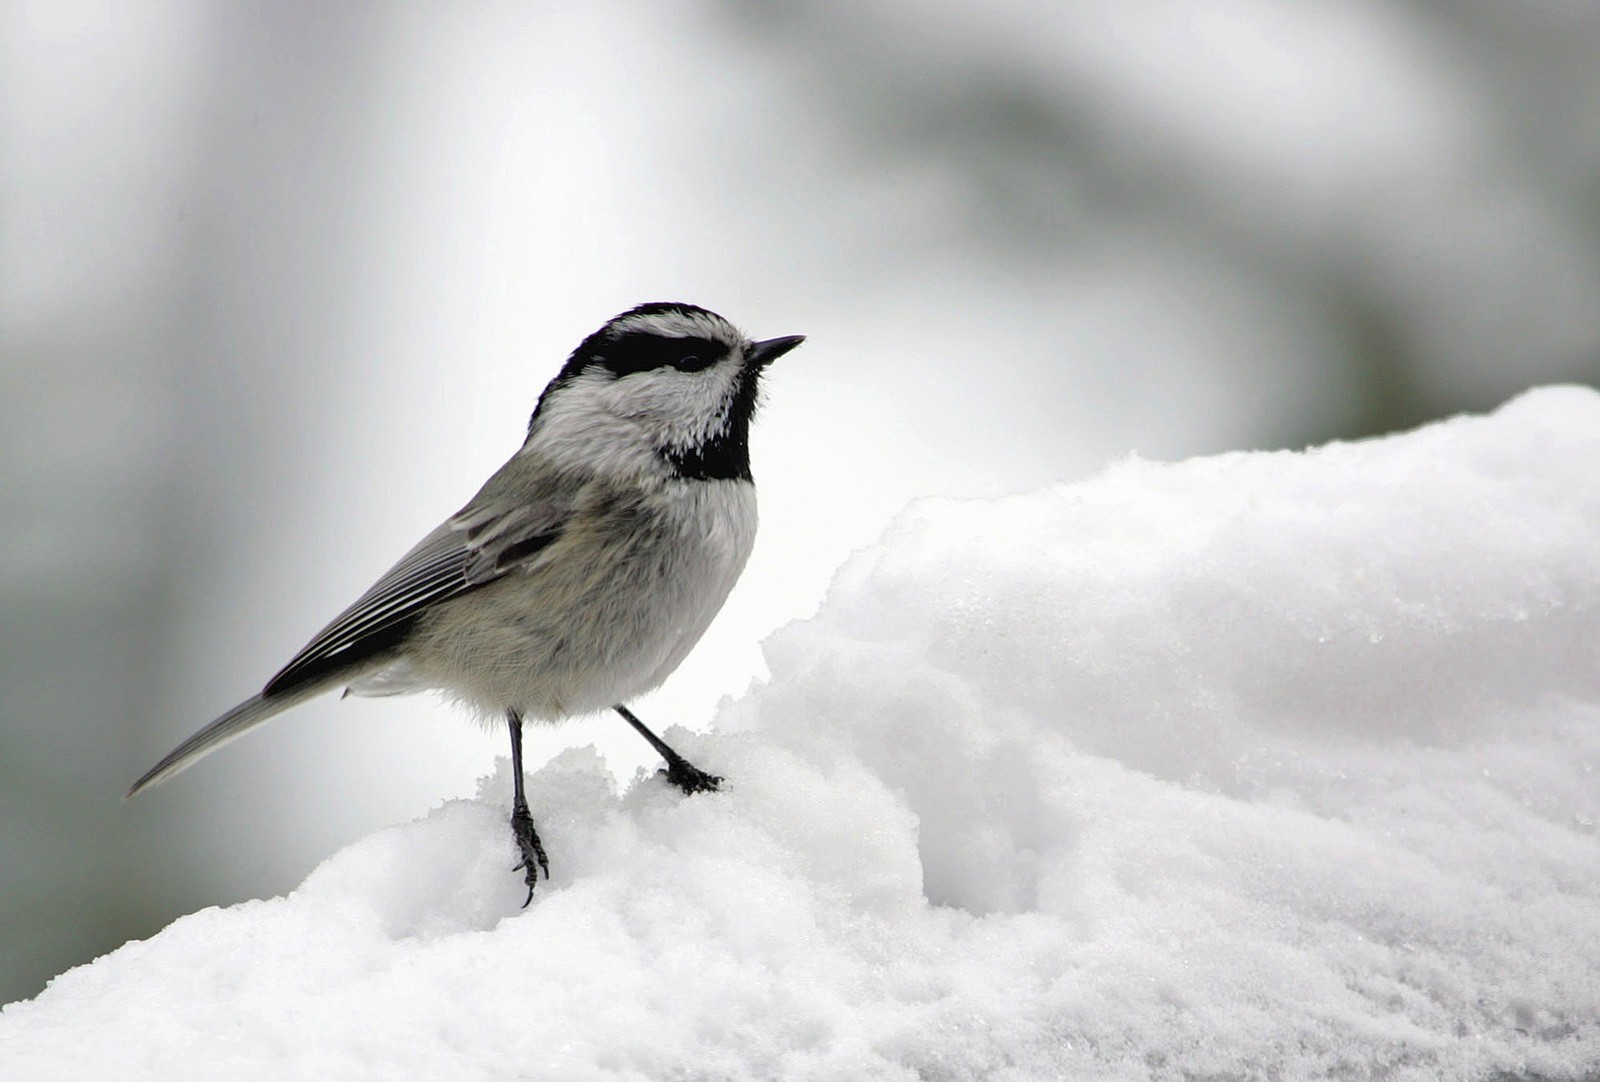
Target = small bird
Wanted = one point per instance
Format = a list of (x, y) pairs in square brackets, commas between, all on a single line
[(583, 571)]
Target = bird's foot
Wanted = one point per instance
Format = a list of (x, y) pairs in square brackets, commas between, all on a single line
[(533, 859), (690, 778)]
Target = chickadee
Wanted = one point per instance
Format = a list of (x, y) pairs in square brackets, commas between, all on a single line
[(586, 568)]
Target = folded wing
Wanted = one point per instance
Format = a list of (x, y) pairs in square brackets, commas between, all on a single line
[(478, 546)]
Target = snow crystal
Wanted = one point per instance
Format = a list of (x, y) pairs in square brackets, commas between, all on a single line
[(1262, 765)]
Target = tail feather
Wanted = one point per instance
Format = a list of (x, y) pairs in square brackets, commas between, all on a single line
[(230, 726)]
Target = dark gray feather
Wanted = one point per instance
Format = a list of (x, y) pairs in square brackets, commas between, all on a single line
[(230, 726)]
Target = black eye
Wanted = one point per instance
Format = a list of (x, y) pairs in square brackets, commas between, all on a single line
[(640, 352)]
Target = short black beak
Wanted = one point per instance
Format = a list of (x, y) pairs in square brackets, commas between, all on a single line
[(764, 353)]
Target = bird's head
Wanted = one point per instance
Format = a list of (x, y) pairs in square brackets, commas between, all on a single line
[(664, 385)]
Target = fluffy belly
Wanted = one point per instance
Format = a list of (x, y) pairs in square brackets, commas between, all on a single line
[(605, 615)]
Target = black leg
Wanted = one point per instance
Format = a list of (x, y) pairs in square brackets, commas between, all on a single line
[(680, 771), (533, 859)]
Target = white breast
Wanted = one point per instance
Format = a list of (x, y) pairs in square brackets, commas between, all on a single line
[(720, 530)]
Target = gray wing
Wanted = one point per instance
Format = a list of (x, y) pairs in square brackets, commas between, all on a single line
[(487, 539), (519, 512)]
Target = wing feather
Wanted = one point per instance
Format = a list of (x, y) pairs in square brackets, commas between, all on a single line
[(477, 546)]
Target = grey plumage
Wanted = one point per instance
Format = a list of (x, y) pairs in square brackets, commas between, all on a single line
[(587, 566), (226, 729)]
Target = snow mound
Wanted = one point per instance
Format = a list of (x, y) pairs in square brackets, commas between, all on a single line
[(1256, 766)]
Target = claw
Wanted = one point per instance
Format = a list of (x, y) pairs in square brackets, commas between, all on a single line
[(680, 771), (533, 859), (690, 778)]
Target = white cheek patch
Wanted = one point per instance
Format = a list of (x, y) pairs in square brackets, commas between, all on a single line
[(621, 425), (680, 409)]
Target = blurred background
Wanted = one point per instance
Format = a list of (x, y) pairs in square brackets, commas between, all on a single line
[(280, 281)]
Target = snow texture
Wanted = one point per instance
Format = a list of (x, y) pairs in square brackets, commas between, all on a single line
[(1255, 766)]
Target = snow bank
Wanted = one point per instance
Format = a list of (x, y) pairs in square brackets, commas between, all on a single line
[(1263, 765)]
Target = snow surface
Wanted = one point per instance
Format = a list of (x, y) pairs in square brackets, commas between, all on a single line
[(1254, 766)]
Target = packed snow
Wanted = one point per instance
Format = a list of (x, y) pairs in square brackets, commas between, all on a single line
[(1265, 765)]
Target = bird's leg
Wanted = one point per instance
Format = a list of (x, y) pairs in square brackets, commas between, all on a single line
[(680, 771), (533, 858)]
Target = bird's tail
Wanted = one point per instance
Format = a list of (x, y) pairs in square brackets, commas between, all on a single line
[(230, 726)]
